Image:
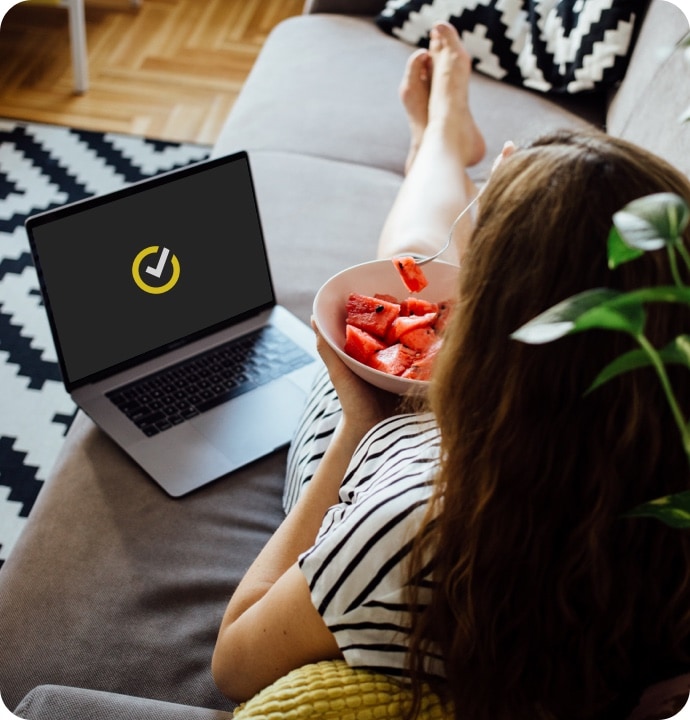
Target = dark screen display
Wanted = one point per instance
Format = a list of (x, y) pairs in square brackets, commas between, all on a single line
[(136, 271)]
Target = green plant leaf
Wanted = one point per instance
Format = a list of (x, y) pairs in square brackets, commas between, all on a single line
[(629, 361), (677, 352), (673, 510), (601, 308), (660, 293), (619, 252), (559, 320), (653, 221), (627, 317)]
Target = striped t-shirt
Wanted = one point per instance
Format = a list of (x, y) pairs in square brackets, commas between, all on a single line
[(357, 569)]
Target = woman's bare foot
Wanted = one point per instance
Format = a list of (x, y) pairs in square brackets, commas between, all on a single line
[(448, 107), (414, 93)]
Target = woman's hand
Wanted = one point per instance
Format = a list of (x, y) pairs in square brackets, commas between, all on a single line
[(363, 404)]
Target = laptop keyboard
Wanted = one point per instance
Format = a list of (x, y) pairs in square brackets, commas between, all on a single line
[(178, 393)]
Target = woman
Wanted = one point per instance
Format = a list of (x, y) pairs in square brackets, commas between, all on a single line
[(498, 514)]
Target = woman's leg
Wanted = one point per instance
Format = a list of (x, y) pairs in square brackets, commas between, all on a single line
[(414, 93), (445, 141)]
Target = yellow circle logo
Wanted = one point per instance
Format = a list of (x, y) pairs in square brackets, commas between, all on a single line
[(156, 271)]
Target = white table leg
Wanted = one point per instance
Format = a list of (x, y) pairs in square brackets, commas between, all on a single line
[(80, 60)]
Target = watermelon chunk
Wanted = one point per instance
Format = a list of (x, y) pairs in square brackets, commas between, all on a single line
[(421, 368), (417, 306), (411, 273), (394, 359), (375, 315), (420, 339), (396, 337), (403, 324), (445, 310), (360, 344), (385, 296)]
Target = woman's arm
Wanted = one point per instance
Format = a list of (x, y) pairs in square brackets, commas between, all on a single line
[(270, 625)]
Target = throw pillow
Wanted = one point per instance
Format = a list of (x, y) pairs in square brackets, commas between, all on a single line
[(553, 46)]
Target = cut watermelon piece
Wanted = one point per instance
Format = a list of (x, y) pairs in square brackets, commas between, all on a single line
[(445, 310), (396, 337), (360, 344), (393, 360), (421, 368), (419, 339), (404, 324), (411, 273), (417, 306), (389, 298), (374, 315)]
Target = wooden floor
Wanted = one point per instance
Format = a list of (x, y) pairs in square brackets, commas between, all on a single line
[(170, 69)]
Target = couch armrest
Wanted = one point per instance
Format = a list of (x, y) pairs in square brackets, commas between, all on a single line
[(344, 7), (56, 702)]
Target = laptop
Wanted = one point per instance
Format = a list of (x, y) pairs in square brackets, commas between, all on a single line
[(166, 325)]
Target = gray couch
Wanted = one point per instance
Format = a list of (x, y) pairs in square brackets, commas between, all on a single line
[(110, 601)]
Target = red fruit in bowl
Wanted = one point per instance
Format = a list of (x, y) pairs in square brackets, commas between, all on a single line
[(360, 344), (375, 315), (411, 273)]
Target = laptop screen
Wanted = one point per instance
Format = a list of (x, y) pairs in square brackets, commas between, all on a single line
[(152, 266)]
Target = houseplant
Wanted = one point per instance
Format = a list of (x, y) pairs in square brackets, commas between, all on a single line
[(649, 224)]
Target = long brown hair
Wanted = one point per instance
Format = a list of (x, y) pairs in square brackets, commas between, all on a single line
[(548, 602)]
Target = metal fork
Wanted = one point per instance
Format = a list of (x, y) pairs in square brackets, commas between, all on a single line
[(424, 260)]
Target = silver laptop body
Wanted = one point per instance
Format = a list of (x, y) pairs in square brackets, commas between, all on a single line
[(158, 275)]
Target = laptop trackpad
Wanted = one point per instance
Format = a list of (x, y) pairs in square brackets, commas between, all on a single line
[(254, 424)]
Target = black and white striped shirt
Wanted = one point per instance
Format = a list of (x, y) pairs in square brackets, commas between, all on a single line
[(357, 569)]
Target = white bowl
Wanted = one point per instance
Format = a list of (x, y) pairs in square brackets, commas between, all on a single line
[(378, 276)]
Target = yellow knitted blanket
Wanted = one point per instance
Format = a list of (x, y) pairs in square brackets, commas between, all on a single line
[(332, 689)]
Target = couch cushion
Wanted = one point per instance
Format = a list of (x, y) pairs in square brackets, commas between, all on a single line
[(319, 217), (324, 85), (48, 702), (564, 47), (656, 91), (115, 586), (332, 689), (327, 86)]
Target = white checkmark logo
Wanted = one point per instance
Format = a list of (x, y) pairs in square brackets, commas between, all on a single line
[(165, 257), (158, 270)]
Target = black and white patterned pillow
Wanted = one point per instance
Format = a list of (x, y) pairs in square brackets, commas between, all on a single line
[(553, 46)]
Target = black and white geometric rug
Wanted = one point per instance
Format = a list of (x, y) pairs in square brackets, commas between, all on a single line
[(42, 166)]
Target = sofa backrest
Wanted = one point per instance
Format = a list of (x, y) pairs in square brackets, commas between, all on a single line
[(654, 94), (648, 105)]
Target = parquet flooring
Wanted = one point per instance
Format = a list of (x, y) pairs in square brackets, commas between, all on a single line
[(170, 69)]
